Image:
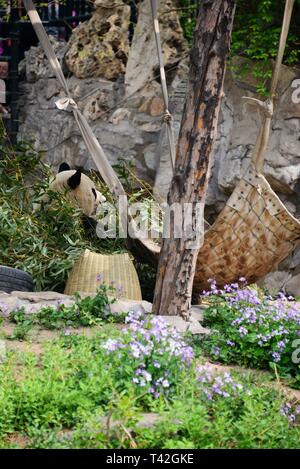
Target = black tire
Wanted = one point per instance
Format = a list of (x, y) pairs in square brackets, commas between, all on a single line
[(14, 279)]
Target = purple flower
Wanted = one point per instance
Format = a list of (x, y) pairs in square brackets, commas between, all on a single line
[(187, 354), (281, 345), (286, 410), (230, 343), (112, 345), (99, 277), (218, 385), (155, 350), (165, 383), (276, 357), (243, 331)]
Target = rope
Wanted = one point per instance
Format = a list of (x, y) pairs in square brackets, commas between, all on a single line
[(167, 117), (94, 147), (267, 106)]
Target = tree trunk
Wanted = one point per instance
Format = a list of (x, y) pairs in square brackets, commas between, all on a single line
[(177, 262)]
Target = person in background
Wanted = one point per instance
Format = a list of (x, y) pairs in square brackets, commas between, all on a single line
[(3, 110), (4, 70)]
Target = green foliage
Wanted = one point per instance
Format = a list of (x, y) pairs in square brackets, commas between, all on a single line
[(47, 242), (23, 324), (255, 36), (253, 331), (63, 398), (223, 423), (147, 278), (88, 311)]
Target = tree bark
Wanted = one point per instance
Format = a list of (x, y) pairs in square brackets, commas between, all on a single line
[(177, 262)]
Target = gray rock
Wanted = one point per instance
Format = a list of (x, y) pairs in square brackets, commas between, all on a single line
[(37, 297), (149, 420), (196, 312), (99, 47), (36, 65), (295, 261), (275, 281), (124, 306), (146, 420), (183, 326), (7, 304), (142, 63), (292, 287)]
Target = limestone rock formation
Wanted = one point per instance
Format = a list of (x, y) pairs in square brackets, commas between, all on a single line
[(122, 135), (99, 47), (142, 64), (35, 65)]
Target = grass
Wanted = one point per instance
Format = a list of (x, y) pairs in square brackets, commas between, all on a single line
[(79, 392)]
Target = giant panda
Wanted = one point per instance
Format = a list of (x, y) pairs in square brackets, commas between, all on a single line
[(81, 189)]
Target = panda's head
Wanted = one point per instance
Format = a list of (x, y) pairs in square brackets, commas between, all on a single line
[(82, 189)]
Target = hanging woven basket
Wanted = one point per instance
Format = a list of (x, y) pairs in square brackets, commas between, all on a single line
[(253, 233), (251, 236)]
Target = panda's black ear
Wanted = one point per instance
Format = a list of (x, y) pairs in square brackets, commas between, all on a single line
[(64, 167), (74, 180)]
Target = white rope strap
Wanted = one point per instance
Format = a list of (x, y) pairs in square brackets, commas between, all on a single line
[(167, 117), (266, 107)]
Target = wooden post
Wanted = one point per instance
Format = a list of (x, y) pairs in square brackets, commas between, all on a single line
[(210, 48)]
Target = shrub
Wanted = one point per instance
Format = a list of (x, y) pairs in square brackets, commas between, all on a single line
[(150, 354), (253, 330), (255, 36)]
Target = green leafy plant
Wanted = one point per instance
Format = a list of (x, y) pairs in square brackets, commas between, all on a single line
[(71, 396), (255, 36), (47, 242), (253, 330), (23, 325), (88, 311)]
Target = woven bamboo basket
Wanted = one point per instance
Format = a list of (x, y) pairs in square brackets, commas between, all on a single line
[(117, 269), (252, 234)]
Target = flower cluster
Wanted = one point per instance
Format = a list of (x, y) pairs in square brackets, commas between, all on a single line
[(117, 289), (250, 328), (153, 352), (288, 411), (218, 385)]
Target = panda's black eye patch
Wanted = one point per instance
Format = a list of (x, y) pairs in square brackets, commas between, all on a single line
[(94, 192)]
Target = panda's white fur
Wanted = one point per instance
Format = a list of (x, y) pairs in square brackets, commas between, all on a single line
[(83, 194), (79, 187)]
